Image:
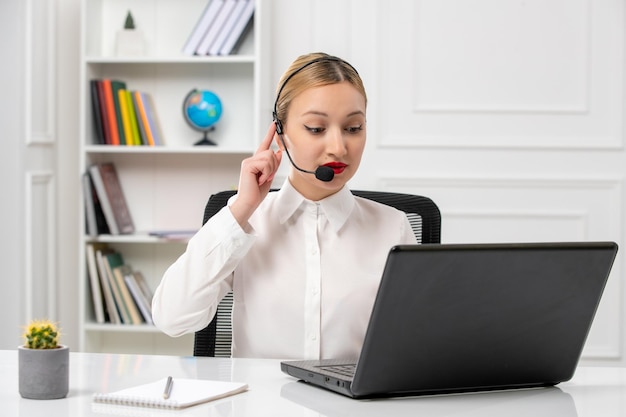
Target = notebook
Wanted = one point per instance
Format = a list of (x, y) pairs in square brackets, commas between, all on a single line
[(184, 393), (472, 317)]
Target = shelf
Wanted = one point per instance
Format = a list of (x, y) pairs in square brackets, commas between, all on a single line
[(185, 150), (124, 328), (135, 238), (183, 59)]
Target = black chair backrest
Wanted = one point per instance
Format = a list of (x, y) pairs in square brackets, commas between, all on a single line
[(422, 212)]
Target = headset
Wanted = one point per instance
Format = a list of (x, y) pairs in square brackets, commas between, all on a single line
[(322, 173)]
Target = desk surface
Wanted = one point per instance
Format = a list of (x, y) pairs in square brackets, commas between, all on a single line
[(592, 392)]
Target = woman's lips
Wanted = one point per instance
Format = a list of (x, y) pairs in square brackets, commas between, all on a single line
[(337, 167)]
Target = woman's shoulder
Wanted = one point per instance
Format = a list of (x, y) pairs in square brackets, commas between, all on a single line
[(374, 207)]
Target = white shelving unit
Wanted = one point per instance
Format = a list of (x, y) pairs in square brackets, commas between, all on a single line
[(166, 187)]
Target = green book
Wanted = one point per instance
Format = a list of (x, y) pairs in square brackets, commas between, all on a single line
[(117, 85)]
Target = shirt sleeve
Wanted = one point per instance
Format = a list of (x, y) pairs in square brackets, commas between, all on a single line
[(186, 299)]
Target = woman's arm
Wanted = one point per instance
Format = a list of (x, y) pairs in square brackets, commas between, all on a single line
[(186, 299)]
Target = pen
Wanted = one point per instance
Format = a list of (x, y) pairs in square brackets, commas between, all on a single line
[(168, 388)]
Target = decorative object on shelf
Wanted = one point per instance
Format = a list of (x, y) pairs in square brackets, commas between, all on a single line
[(129, 41), (43, 363), (202, 109)]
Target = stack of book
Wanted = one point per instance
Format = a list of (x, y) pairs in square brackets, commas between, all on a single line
[(123, 117), (221, 28), (106, 210), (120, 295)]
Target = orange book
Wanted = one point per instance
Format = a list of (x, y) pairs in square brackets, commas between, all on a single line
[(144, 117), (111, 118)]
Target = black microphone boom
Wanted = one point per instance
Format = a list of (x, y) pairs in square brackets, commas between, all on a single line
[(322, 173)]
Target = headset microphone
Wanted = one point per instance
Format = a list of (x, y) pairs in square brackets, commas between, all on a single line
[(322, 173)]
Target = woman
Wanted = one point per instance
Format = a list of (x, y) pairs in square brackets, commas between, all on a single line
[(304, 263)]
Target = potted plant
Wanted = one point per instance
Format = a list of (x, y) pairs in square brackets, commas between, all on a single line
[(43, 363)]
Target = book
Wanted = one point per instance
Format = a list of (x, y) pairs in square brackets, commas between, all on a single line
[(111, 116), (94, 281), (97, 114), (228, 26), (143, 285), (112, 260), (125, 113), (239, 30), (142, 118), (143, 138), (151, 116), (143, 302), (203, 24), (93, 209), (107, 290), (130, 306), (90, 209), (112, 199), (106, 128), (185, 393), (116, 86), (133, 119), (216, 26), (178, 235)]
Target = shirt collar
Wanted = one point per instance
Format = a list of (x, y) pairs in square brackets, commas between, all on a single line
[(336, 207)]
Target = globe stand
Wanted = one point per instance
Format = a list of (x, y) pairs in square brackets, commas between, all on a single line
[(205, 141)]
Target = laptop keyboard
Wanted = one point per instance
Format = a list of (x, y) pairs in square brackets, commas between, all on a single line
[(345, 370)]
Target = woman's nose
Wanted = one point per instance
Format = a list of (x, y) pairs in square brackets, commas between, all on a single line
[(336, 143)]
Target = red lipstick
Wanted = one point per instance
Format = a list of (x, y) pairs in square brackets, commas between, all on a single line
[(337, 167)]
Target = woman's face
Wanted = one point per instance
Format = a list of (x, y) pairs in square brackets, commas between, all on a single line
[(325, 126)]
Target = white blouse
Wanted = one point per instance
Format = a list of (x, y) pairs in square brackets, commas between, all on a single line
[(304, 275)]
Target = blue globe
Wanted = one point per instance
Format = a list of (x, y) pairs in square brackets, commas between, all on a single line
[(202, 110)]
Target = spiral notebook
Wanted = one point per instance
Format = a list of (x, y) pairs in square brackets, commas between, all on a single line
[(184, 393)]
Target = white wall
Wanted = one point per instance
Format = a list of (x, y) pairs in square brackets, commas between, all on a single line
[(11, 44), (509, 114)]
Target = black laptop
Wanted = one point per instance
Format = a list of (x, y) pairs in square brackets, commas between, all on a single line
[(472, 317)]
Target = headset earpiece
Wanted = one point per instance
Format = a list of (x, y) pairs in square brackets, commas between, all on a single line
[(279, 125)]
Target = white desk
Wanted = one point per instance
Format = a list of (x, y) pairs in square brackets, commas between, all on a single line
[(592, 392)]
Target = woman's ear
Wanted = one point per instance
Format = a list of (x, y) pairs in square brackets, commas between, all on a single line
[(278, 140)]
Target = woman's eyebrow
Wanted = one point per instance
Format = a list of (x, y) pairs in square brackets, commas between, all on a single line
[(321, 113)]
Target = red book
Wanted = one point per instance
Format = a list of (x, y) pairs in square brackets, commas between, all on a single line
[(106, 129), (110, 110)]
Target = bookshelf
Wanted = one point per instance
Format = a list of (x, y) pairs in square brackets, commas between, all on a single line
[(166, 187)]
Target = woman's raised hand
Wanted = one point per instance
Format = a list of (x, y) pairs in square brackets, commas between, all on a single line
[(255, 178)]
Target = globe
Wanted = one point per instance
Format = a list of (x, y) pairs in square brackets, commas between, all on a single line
[(202, 109)]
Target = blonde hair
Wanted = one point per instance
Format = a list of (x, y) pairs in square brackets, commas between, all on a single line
[(313, 70)]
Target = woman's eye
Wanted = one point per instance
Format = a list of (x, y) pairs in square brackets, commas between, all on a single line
[(314, 130), (354, 129)]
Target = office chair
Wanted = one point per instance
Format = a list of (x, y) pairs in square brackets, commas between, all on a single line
[(423, 215)]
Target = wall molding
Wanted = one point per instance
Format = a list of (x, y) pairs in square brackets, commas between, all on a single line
[(40, 73), (40, 281)]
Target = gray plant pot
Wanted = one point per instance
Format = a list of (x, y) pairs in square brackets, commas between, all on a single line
[(44, 374)]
